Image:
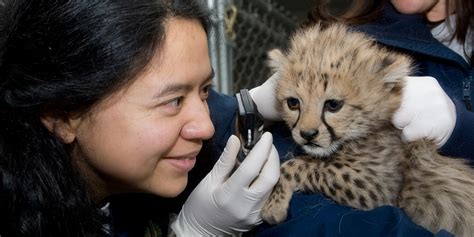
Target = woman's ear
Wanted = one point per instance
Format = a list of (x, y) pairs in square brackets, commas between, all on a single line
[(63, 127)]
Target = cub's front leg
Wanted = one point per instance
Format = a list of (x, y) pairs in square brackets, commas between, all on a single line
[(293, 177), (341, 180)]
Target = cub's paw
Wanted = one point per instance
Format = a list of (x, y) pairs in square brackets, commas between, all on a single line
[(275, 210)]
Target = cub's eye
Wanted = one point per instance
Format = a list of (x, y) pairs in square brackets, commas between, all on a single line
[(333, 105), (293, 103)]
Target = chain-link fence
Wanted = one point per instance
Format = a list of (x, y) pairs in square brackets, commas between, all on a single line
[(260, 26), (244, 31)]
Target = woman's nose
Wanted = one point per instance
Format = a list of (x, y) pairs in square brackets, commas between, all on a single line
[(199, 125)]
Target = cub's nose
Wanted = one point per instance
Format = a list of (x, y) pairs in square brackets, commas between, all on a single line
[(309, 134)]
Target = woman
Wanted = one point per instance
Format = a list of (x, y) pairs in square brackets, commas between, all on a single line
[(437, 102), (103, 98)]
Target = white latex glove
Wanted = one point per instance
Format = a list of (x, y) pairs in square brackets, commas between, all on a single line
[(222, 205), (264, 98), (425, 112)]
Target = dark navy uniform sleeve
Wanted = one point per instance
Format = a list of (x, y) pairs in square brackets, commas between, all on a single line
[(461, 144)]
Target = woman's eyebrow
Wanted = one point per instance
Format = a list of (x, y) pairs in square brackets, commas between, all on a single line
[(180, 87), (172, 88), (210, 76)]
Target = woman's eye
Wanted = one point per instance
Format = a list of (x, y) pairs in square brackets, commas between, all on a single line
[(333, 105), (205, 91), (293, 103), (175, 102)]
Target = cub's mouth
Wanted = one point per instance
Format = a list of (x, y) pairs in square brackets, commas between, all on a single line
[(310, 144), (317, 150)]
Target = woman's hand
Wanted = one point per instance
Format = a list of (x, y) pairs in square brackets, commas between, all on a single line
[(222, 205)]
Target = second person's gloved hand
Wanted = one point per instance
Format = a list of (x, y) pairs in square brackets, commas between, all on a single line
[(425, 112), (221, 205)]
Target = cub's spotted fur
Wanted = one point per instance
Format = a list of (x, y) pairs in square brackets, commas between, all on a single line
[(337, 93)]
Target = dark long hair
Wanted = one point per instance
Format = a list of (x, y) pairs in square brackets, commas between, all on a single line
[(62, 57), (357, 12), (352, 12)]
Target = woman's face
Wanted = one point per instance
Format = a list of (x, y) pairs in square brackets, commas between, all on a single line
[(145, 137), (434, 10)]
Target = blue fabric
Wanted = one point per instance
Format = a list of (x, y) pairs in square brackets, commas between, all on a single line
[(411, 35), (316, 215)]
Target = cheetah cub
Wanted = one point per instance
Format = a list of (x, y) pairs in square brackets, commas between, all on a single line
[(337, 93)]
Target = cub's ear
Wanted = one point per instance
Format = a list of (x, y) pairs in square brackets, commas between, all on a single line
[(276, 60), (394, 67)]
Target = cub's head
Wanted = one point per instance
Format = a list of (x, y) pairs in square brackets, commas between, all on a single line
[(336, 85)]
